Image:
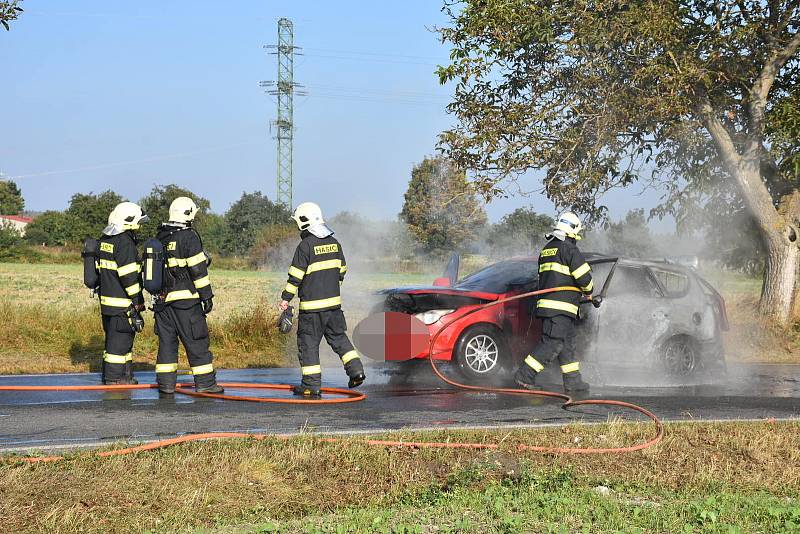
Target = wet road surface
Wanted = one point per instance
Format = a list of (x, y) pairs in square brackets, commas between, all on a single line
[(44, 420)]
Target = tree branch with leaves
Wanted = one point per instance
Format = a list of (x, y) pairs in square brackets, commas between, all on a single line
[(9, 11)]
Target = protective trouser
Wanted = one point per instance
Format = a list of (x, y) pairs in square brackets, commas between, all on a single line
[(558, 340), (311, 327), (117, 358), (190, 326)]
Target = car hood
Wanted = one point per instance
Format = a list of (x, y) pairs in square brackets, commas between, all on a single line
[(420, 299), (436, 290)]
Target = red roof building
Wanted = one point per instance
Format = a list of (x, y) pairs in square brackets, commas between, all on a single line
[(15, 221)]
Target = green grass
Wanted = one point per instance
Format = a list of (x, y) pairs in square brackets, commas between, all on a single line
[(716, 477), (553, 501)]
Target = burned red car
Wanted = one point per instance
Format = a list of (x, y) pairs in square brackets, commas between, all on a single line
[(659, 313)]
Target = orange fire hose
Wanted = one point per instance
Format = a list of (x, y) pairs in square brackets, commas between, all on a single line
[(351, 396)]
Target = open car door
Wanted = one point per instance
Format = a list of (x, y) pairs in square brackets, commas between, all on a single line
[(451, 271), (589, 322), (450, 276)]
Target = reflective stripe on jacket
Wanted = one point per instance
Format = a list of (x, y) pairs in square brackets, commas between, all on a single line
[(561, 264), (317, 270)]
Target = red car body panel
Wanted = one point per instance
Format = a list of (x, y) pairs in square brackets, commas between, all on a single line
[(513, 318)]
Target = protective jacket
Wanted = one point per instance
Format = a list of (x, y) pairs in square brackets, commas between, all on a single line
[(562, 264), (119, 265), (186, 282), (317, 270)]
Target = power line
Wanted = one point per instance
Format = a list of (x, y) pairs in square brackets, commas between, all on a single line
[(393, 92), (371, 59), (379, 100), (137, 161), (378, 54)]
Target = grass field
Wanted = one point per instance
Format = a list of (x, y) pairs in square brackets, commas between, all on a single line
[(49, 323), (730, 478)]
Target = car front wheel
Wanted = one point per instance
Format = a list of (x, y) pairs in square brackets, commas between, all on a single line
[(481, 353)]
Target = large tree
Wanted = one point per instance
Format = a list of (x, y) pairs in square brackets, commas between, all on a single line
[(519, 232), (686, 93), (11, 201), (440, 208)]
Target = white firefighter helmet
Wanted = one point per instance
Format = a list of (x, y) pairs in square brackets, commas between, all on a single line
[(570, 224), (308, 216), (125, 216), (182, 210)]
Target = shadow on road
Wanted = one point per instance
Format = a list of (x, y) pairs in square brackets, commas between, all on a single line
[(91, 354)]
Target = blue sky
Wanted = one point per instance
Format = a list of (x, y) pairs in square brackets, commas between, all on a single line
[(124, 95)]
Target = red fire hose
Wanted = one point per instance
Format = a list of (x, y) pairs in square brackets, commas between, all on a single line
[(345, 396)]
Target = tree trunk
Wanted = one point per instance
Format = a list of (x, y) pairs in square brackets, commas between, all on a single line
[(779, 227), (780, 278)]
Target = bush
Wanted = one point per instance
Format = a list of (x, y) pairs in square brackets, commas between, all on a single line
[(52, 228), (10, 242), (274, 247), (246, 218)]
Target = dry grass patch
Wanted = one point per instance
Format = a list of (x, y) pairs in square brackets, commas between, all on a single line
[(214, 484), (53, 340)]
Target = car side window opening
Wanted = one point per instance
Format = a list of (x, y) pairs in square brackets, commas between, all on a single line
[(632, 281), (674, 284)]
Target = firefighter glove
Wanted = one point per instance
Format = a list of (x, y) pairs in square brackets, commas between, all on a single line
[(208, 305), (135, 319)]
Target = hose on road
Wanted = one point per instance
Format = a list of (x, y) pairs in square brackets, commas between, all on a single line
[(347, 396), (568, 401)]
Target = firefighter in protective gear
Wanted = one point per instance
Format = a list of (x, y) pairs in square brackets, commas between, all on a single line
[(186, 299), (561, 264), (120, 290), (317, 271)]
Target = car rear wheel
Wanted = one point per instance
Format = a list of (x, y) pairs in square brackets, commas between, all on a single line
[(481, 353), (679, 357)]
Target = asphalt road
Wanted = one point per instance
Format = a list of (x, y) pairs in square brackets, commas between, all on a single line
[(47, 420)]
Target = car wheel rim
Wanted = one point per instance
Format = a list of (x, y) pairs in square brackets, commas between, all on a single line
[(481, 354), (679, 359)]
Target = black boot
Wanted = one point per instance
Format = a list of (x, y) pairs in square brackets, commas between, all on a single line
[(573, 383), (129, 373), (307, 392), (525, 380), (356, 380), (124, 381), (213, 388)]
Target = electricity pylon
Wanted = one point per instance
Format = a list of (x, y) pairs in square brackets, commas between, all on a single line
[(285, 89)]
